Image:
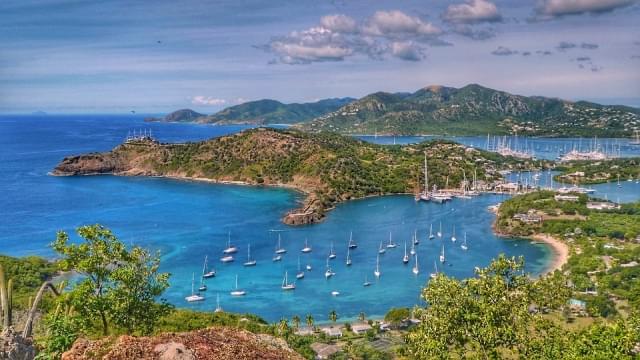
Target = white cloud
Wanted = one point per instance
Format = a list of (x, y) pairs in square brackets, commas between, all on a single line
[(407, 50), (385, 33), (556, 8), (339, 23), (397, 23), (207, 100), (472, 12)]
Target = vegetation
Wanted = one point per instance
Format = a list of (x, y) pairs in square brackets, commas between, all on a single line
[(27, 274), (501, 313), (476, 110), (590, 172)]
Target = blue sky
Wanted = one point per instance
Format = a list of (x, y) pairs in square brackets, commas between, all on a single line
[(79, 56)]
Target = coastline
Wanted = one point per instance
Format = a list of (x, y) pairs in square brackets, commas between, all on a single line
[(560, 252)]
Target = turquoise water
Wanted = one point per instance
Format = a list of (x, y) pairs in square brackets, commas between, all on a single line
[(188, 220)]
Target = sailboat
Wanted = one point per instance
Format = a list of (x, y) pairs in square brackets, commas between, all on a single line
[(227, 258), (194, 297), (352, 244), (377, 272), (416, 241), (425, 194), (442, 259), (366, 282), (249, 261), (348, 262), (306, 249), (332, 254), (280, 249), (453, 237), (405, 259), (439, 233), (391, 244), (431, 236), (285, 283), (207, 274), (237, 291), (277, 258), (300, 273), (381, 250), (308, 267), (435, 273), (231, 249), (328, 273), (218, 307), (464, 243), (415, 267), (413, 250), (203, 286)]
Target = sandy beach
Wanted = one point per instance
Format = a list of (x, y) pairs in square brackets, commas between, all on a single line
[(559, 248)]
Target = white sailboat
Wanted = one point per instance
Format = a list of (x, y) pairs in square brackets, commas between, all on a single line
[(328, 273), (194, 297), (227, 258), (332, 254), (366, 282), (249, 262), (277, 257), (348, 262), (381, 249), (208, 274), (279, 248), (203, 286), (425, 194), (285, 283), (464, 246), (300, 273), (377, 272), (453, 236), (415, 267), (218, 307), (405, 258), (435, 268), (231, 249), (439, 233), (306, 249), (237, 291), (352, 244), (442, 258), (431, 236), (416, 241), (308, 267), (391, 244), (413, 250)]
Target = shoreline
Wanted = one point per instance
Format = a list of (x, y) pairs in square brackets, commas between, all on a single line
[(559, 249)]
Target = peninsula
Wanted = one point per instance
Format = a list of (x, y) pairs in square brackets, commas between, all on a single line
[(329, 168)]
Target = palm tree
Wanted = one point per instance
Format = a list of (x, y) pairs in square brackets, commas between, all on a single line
[(296, 321), (309, 319), (361, 316), (283, 326), (333, 316)]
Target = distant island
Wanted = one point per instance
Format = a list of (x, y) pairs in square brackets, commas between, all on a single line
[(327, 167), (260, 112), (470, 110)]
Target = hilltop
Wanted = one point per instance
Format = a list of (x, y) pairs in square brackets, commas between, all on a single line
[(474, 110), (327, 167), (260, 112)]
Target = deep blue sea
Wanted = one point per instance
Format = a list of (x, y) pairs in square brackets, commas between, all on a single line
[(187, 220)]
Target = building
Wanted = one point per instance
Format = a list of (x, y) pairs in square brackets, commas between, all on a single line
[(324, 351), (360, 328), (332, 331), (530, 217), (572, 198), (602, 205)]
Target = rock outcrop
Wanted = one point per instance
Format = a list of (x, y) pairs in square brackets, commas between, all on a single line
[(213, 343)]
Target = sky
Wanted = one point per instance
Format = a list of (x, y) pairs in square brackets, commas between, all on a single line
[(77, 56)]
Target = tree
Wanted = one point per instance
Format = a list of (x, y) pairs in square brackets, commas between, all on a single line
[(396, 316), (309, 320), (361, 316), (333, 316), (296, 321), (283, 327), (117, 285), (487, 315)]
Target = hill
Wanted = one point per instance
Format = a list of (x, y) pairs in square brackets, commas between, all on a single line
[(476, 110), (328, 167), (183, 115)]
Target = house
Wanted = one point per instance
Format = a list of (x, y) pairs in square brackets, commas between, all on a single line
[(602, 205), (303, 331), (630, 264), (324, 351), (572, 198), (529, 218), (360, 328), (578, 306), (332, 331)]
